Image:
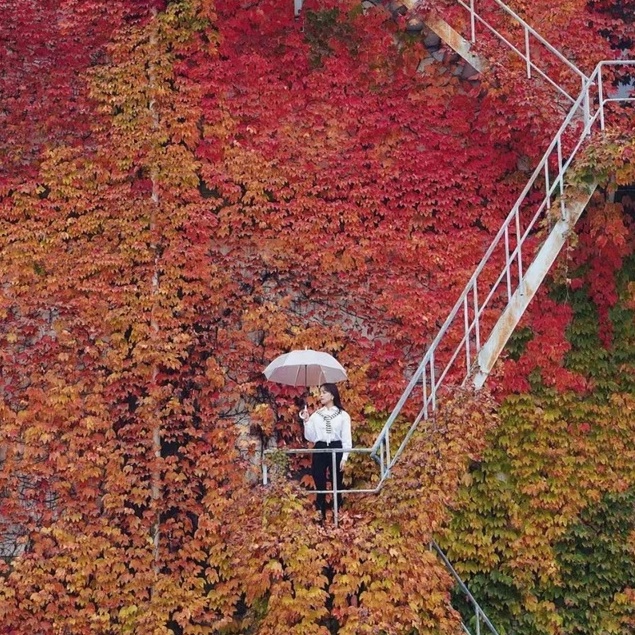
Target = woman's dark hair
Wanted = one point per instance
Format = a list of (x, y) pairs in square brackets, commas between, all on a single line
[(332, 388)]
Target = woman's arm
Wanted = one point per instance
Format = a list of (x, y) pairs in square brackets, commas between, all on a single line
[(310, 433)]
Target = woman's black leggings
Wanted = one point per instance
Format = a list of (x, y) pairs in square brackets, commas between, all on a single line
[(321, 470)]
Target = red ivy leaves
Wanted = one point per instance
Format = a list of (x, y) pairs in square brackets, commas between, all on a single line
[(603, 246)]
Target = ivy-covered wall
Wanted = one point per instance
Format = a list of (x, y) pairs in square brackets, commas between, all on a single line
[(544, 527)]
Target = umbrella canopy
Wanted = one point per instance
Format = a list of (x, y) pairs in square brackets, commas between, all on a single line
[(305, 368)]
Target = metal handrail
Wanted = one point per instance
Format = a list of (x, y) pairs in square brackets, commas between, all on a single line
[(514, 239), (469, 312), (525, 54), (479, 614), (507, 254), (511, 233), (334, 491), (333, 451), (519, 227)]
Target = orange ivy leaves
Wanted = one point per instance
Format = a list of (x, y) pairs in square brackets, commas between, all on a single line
[(220, 210), (111, 394), (376, 571)]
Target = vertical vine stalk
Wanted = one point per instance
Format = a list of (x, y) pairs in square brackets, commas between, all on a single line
[(154, 327)]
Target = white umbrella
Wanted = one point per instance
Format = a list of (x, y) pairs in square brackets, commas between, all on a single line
[(305, 368)]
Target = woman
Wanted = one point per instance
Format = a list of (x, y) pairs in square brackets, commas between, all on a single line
[(327, 427)]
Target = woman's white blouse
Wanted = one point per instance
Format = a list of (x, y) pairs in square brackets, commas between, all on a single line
[(315, 428)]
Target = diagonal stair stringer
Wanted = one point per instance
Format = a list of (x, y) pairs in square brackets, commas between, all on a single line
[(455, 41), (531, 281)]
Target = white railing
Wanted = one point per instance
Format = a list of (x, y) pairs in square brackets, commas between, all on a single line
[(453, 355), (480, 619), (335, 491), (547, 62)]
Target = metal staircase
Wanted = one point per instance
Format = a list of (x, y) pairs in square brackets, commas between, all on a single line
[(520, 255), (522, 252)]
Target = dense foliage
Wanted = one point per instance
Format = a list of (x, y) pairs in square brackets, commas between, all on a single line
[(189, 189), (543, 531)]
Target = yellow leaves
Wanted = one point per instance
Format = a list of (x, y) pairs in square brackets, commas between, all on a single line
[(171, 361), (274, 569), (37, 436), (127, 612), (102, 216)]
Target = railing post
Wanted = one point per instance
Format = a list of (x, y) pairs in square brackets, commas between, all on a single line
[(527, 52), (508, 265), (433, 391), (601, 96), (586, 106), (424, 381), (519, 243), (382, 466), (466, 327), (560, 176), (472, 21), (477, 322), (264, 471), (334, 483)]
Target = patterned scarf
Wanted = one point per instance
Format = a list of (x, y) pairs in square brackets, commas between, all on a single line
[(328, 418)]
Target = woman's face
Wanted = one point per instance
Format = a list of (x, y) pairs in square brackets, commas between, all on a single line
[(326, 398)]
